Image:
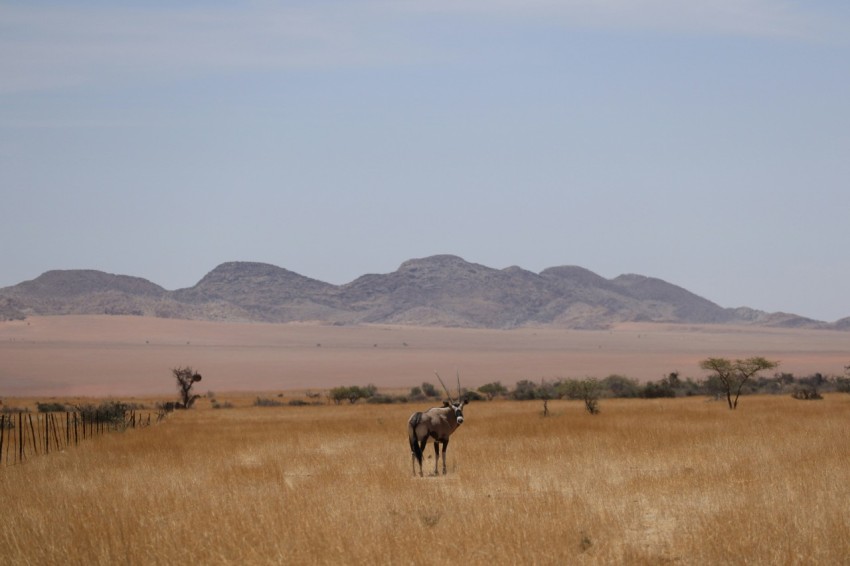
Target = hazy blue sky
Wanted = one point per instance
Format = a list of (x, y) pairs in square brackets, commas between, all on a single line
[(705, 143)]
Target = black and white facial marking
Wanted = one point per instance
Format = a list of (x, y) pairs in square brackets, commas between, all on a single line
[(458, 409)]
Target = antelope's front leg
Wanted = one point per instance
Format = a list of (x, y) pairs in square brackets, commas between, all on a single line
[(436, 455), (445, 448)]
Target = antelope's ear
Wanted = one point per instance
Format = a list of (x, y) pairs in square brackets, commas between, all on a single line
[(446, 403)]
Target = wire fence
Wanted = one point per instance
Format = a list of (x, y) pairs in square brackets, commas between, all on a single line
[(26, 435)]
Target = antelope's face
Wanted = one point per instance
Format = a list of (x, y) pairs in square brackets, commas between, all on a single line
[(458, 409)]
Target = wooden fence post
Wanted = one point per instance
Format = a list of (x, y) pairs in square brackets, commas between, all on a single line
[(33, 435), (55, 431), (11, 424), (20, 437), (46, 432)]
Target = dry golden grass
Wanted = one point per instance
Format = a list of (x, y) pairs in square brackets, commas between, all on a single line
[(645, 482)]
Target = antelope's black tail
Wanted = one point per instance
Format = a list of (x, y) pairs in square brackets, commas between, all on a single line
[(411, 434)]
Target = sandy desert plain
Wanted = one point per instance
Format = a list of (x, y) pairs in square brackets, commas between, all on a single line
[(132, 356), (657, 481)]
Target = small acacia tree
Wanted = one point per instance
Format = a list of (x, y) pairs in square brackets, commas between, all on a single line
[(733, 375), (186, 378), (492, 390), (352, 393), (589, 390), (338, 394), (842, 383)]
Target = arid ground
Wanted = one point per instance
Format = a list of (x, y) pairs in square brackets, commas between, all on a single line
[(133, 356)]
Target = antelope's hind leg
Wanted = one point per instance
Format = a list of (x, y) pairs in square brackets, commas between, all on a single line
[(422, 445)]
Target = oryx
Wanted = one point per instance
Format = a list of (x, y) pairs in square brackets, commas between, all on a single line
[(437, 423)]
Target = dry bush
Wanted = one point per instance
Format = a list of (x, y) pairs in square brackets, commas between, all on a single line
[(645, 482)]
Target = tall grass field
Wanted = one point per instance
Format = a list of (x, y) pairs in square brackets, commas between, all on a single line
[(673, 481)]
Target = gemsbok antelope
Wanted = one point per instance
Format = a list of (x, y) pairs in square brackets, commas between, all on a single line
[(437, 423)]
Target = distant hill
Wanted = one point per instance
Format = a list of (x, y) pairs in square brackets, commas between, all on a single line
[(442, 290)]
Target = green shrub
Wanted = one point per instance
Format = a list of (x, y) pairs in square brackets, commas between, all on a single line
[(384, 400), (353, 393), (51, 407), (568, 389), (653, 390), (111, 412), (620, 386), (806, 394), (263, 402), (429, 390), (472, 396), (6, 410), (525, 390), (493, 390)]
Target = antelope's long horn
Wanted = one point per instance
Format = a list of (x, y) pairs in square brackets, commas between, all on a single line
[(444, 387), (459, 396)]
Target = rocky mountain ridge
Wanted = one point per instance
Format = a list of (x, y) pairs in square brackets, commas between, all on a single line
[(441, 290)]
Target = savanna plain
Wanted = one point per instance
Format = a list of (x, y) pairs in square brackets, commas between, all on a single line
[(644, 482)]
